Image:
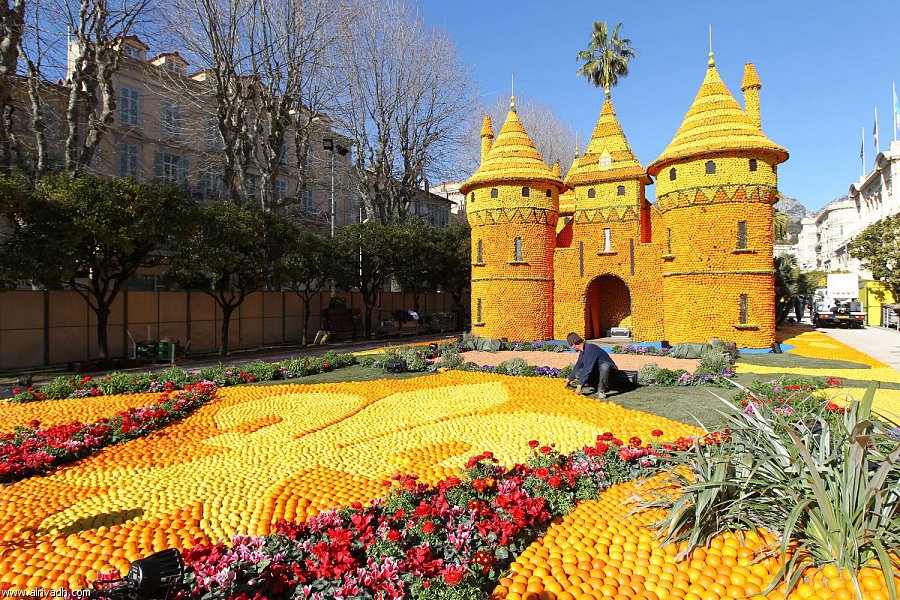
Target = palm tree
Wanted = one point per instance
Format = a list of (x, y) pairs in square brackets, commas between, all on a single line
[(781, 223), (606, 57)]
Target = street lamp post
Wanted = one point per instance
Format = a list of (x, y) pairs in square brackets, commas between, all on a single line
[(329, 145)]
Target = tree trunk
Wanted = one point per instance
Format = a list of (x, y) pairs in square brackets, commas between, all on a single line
[(102, 312), (227, 309), (368, 302), (307, 312)]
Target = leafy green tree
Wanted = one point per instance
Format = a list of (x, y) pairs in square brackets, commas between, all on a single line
[(90, 234), (878, 248), (234, 251), (452, 268), (781, 223), (364, 260), (307, 269), (606, 58), (412, 260)]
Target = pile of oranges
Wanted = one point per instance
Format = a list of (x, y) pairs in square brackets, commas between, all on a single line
[(258, 454), (59, 412), (605, 551)]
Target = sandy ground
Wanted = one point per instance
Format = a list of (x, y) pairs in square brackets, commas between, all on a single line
[(626, 362)]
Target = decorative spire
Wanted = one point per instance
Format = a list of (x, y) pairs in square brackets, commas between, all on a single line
[(512, 93), (487, 127), (556, 169), (712, 61)]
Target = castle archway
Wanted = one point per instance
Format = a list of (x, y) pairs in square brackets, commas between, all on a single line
[(607, 303)]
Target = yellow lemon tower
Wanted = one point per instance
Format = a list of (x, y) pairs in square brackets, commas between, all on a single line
[(716, 184), (512, 207)]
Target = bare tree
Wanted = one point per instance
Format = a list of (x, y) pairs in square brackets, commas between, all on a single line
[(554, 138), (98, 28), (405, 102), (12, 28), (266, 61)]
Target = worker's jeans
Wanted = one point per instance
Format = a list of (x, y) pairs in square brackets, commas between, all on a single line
[(599, 377)]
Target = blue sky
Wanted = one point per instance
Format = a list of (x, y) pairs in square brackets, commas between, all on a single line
[(824, 66)]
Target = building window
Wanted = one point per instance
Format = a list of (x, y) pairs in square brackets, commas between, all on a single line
[(472, 197), (672, 174), (479, 257), (494, 192), (549, 193), (745, 317), (174, 67), (211, 134), (742, 235), (171, 168), (133, 51), (607, 240), (211, 183), (605, 161), (478, 312), (518, 250), (620, 191), (710, 167), (129, 101), (526, 192), (172, 119), (128, 160), (752, 164), (592, 193), (281, 189), (307, 201), (669, 241)]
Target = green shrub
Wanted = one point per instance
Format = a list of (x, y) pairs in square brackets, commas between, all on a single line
[(262, 370), (566, 371), (450, 357), (513, 366), (725, 347), (214, 372), (59, 388), (668, 377), (415, 359), (369, 361), (647, 374), (712, 362), (176, 375)]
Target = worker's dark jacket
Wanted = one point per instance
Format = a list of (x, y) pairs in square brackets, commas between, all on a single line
[(588, 363)]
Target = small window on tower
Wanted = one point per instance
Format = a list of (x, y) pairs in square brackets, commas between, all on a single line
[(620, 190), (549, 193), (518, 250), (472, 197), (479, 256), (752, 164), (742, 235), (710, 167), (526, 192), (672, 174), (592, 193), (669, 241), (494, 192), (478, 312), (745, 316), (607, 240), (605, 161)]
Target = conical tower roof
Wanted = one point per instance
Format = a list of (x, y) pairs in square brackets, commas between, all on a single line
[(513, 157), (715, 123), (607, 141)]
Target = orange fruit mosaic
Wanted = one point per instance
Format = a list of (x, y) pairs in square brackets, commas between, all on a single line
[(260, 453)]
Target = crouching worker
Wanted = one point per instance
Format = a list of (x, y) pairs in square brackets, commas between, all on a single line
[(594, 368)]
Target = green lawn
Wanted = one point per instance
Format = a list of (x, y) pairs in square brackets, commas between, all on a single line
[(795, 361)]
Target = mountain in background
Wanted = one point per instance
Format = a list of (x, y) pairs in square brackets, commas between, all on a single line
[(793, 207), (796, 211)]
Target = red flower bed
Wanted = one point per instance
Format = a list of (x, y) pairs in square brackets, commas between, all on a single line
[(31, 450), (452, 540)]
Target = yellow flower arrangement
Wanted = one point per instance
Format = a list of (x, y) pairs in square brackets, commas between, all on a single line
[(290, 451)]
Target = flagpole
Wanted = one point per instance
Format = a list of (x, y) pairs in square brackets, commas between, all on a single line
[(862, 153), (877, 143), (894, 115)]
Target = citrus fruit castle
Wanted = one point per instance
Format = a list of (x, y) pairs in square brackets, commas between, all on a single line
[(590, 252)]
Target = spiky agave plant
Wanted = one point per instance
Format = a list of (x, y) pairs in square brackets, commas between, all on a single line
[(828, 489)]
